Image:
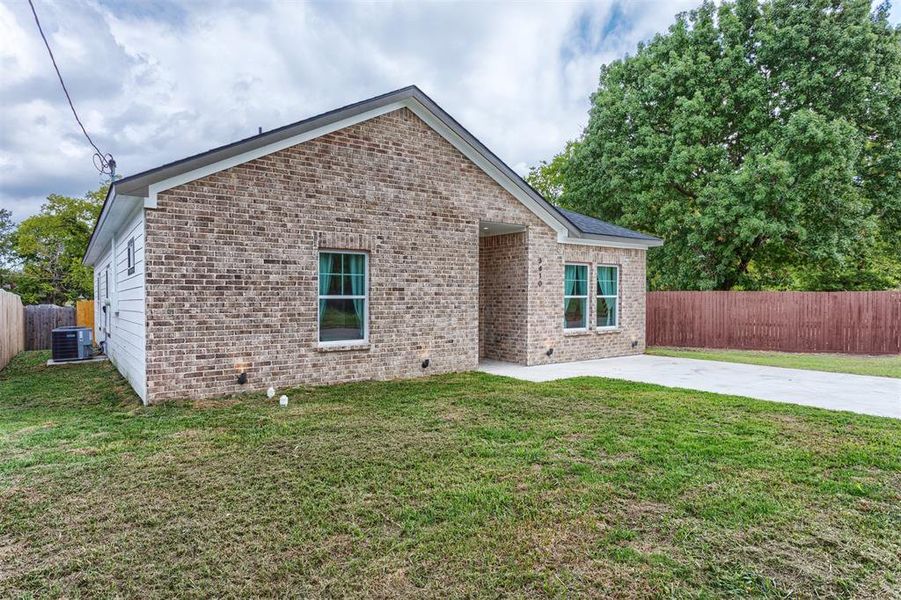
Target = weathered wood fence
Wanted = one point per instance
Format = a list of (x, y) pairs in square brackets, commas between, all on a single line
[(41, 319), (12, 326), (843, 322)]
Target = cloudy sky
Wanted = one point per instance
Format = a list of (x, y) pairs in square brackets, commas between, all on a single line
[(157, 81)]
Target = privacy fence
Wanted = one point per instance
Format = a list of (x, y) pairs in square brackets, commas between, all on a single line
[(12, 326), (41, 319), (844, 322)]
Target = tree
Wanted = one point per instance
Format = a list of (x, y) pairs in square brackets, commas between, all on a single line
[(51, 245), (8, 258), (761, 140), (548, 177)]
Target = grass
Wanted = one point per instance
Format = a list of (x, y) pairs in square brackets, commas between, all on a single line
[(881, 366), (455, 485)]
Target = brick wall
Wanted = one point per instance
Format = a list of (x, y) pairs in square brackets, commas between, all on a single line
[(547, 259), (232, 259), (503, 297)]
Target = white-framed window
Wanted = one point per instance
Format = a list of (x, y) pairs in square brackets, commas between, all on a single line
[(107, 302), (98, 306), (343, 297), (575, 296), (130, 255), (607, 297)]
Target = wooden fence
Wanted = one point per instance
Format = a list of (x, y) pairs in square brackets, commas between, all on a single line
[(12, 326), (84, 313), (41, 319), (843, 322)]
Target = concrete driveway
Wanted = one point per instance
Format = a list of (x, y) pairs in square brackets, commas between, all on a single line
[(879, 396)]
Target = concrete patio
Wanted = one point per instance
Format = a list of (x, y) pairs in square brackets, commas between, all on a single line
[(880, 396)]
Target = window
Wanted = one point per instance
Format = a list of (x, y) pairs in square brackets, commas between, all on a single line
[(575, 297), (106, 303), (343, 297), (130, 253), (608, 297), (98, 302)]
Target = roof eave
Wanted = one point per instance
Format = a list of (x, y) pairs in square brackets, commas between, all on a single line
[(139, 183), (512, 175), (144, 185), (613, 241), (117, 209), (104, 211)]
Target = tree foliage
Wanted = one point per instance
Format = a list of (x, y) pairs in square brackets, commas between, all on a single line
[(51, 245), (8, 258), (548, 177), (760, 139)]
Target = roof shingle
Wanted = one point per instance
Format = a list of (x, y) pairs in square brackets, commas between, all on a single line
[(594, 226)]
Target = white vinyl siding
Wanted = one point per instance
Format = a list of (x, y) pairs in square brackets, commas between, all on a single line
[(125, 335)]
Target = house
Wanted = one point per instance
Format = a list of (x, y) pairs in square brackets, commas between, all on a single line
[(376, 241)]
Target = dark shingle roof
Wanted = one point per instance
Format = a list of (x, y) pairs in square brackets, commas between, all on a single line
[(597, 227)]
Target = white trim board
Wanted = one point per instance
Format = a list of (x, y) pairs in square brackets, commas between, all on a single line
[(160, 186), (411, 103)]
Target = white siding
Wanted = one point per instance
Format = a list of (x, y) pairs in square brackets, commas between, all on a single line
[(122, 327)]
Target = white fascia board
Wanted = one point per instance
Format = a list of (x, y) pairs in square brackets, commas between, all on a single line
[(156, 188), (435, 123), (119, 209), (475, 156), (563, 233), (89, 259), (609, 242)]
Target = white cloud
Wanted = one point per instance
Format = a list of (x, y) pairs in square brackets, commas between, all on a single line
[(155, 82)]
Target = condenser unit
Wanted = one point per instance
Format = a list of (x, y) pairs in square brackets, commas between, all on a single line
[(71, 343)]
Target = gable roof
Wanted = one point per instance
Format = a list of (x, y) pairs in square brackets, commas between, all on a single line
[(140, 189)]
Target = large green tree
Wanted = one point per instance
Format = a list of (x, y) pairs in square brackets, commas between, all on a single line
[(761, 140), (8, 258), (548, 177), (51, 244)]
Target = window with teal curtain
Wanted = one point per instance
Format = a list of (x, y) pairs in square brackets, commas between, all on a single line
[(608, 296), (342, 296), (575, 296)]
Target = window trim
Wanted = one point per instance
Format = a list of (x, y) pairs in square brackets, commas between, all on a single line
[(108, 302), (339, 343), (598, 296), (587, 295), (130, 256)]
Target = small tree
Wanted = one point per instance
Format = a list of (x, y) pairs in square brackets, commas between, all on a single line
[(51, 245)]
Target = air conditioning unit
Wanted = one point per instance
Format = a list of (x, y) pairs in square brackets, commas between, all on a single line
[(71, 343)]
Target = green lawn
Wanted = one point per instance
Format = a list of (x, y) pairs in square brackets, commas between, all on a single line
[(456, 485), (882, 366)]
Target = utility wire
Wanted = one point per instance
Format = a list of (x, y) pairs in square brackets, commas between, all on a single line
[(102, 162)]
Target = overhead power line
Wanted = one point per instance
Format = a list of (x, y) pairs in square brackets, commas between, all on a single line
[(104, 163)]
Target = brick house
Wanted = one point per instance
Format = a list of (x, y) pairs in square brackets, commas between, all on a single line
[(376, 241)]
